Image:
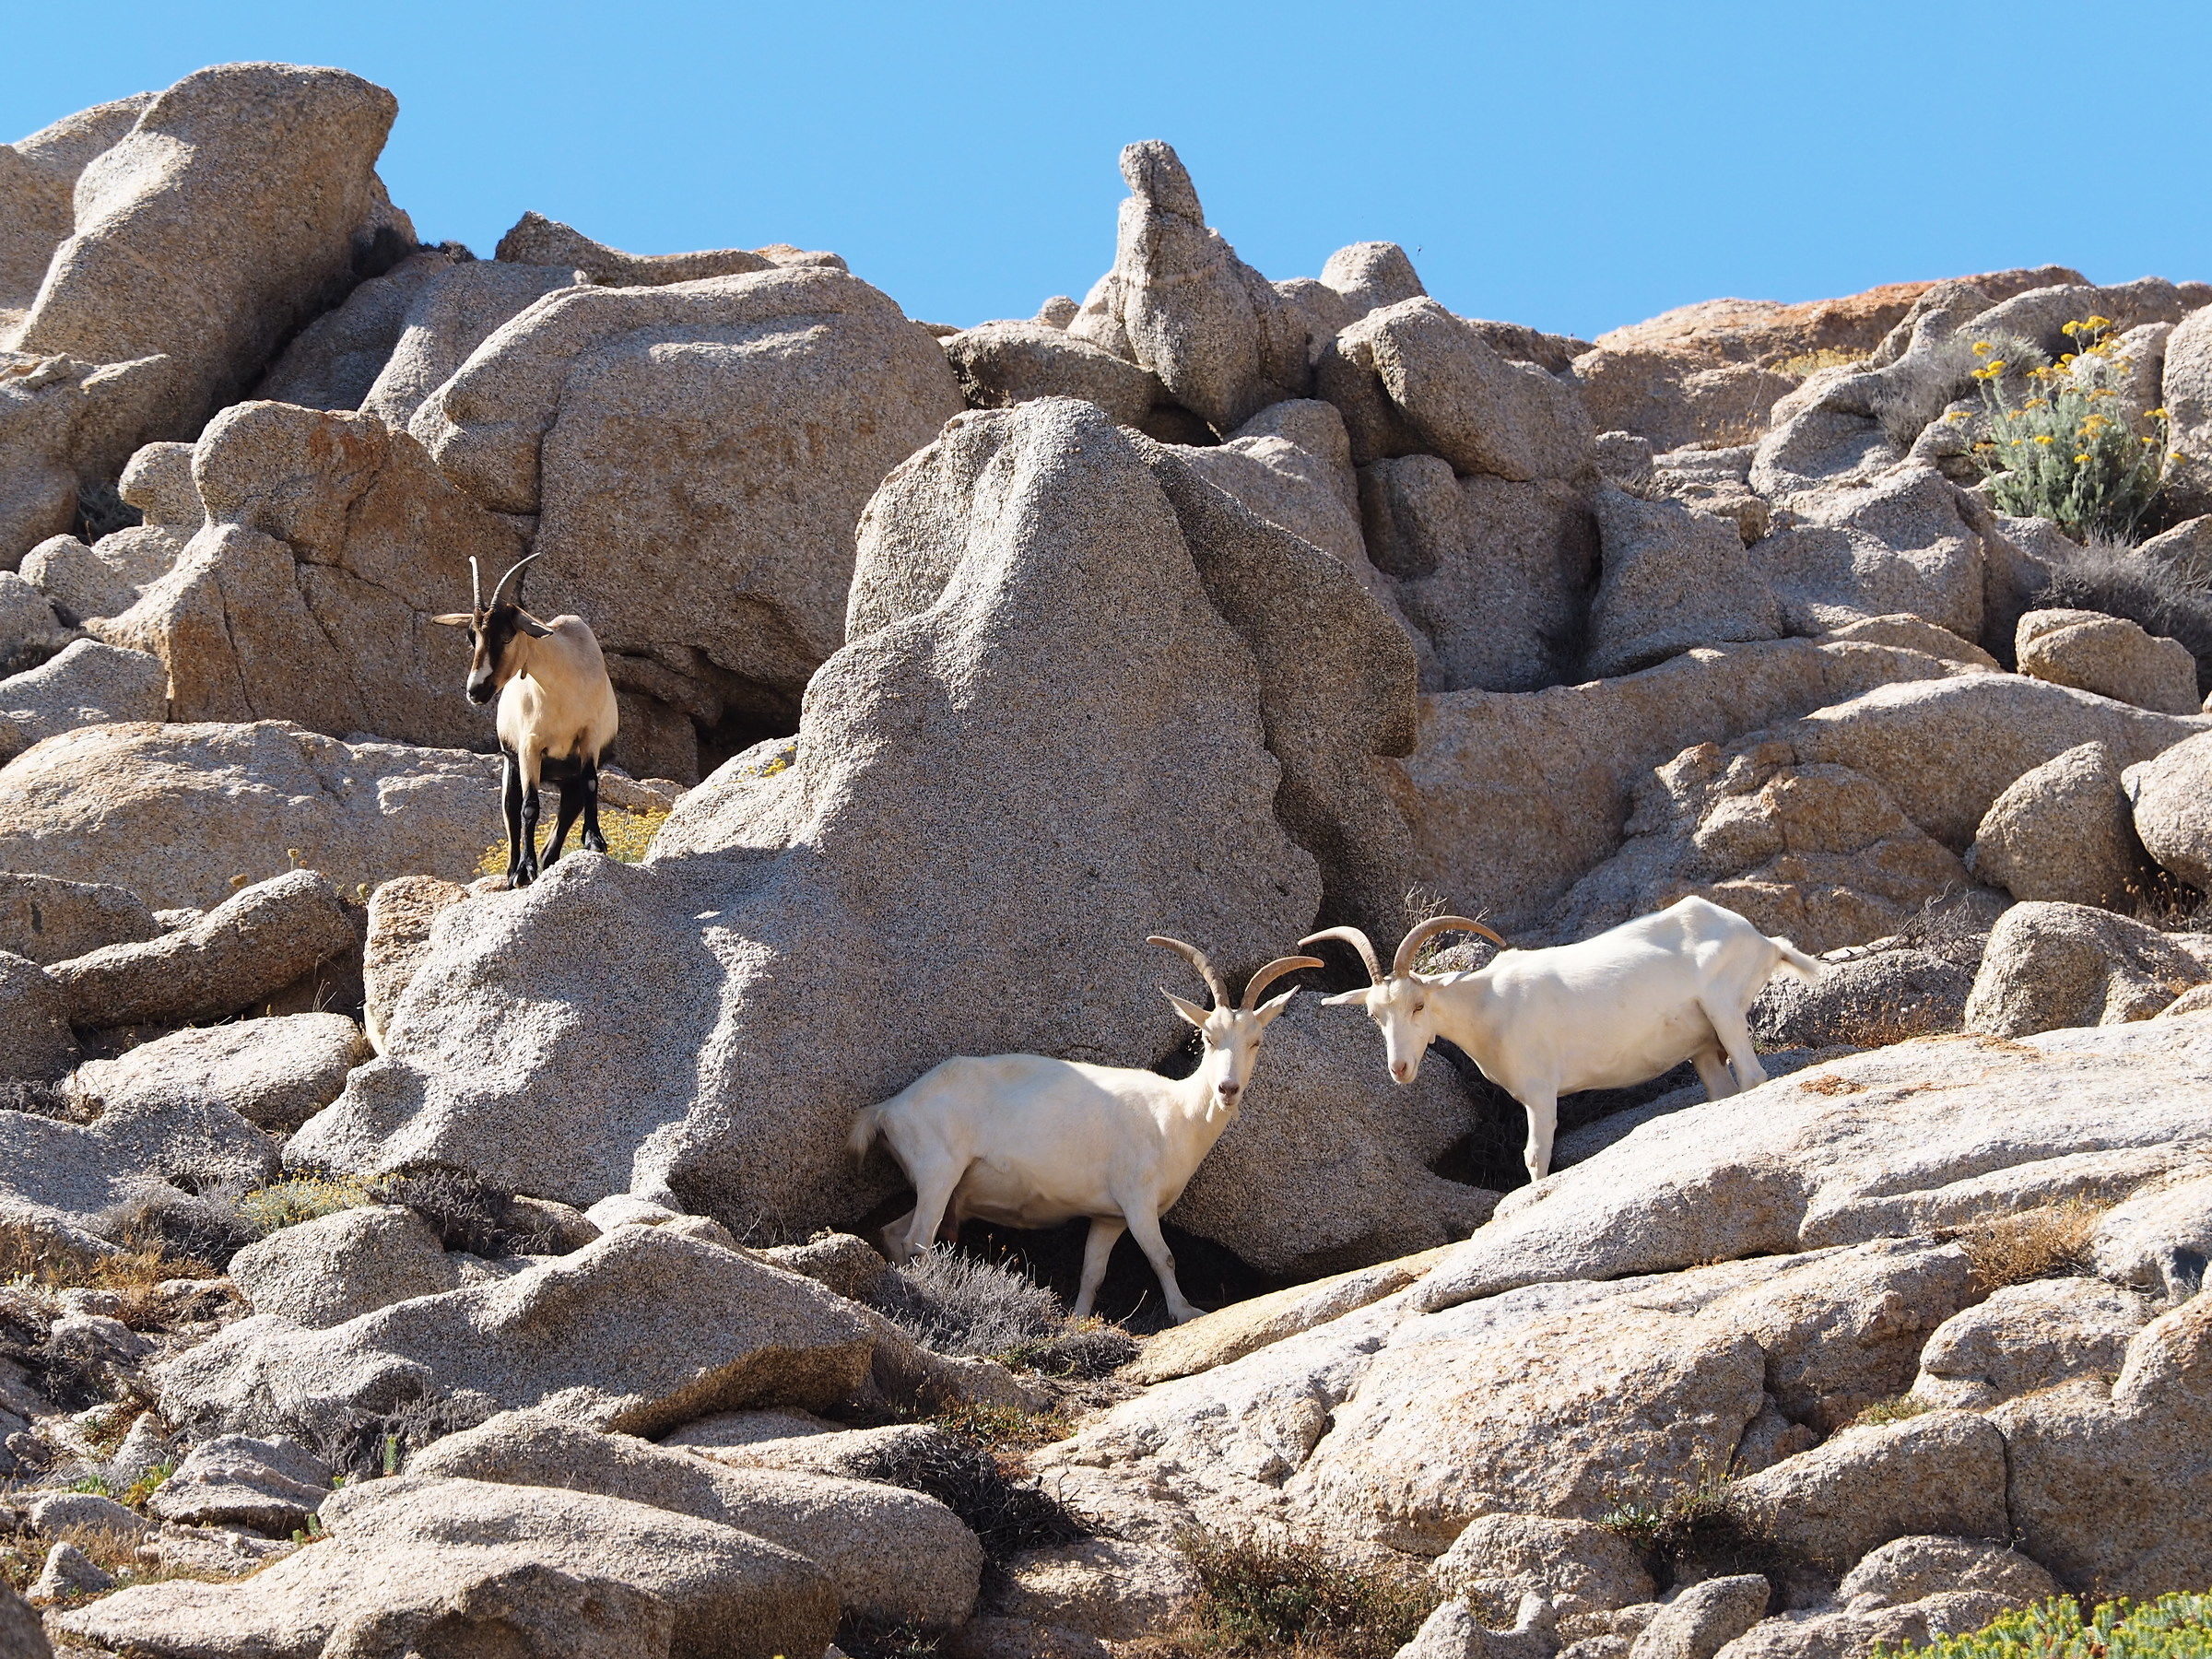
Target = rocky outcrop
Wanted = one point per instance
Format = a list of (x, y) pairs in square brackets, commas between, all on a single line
[(1179, 302), (794, 393), (2170, 799), (421, 1564), (88, 684), (2053, 965), (640, 1330), (188, 814), (242, 201), (1513, 797), (50, 921), (2061, 831), (326, 1271), (1033, 560), (2109, 656), (252, 943), (308, 594), (1673, 579), (277, 1072)]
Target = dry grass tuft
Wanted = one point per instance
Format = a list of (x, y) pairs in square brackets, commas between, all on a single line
[(31, 1256), (1288, 1595), (1895, 1409), (2050, 1241)]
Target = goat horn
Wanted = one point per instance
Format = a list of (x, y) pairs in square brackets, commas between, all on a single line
[(512, 570), (476, 585), (1196, 959), (1359, 941), (1273, 971), (1424, 932)]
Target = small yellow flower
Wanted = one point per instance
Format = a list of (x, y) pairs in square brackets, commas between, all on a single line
[(2154, 414), (2067, 328), (2080, 459), (2044, 438), (2098, 322), (2036, 402)]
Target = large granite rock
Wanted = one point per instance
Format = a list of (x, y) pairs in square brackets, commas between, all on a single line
[(2061, 831), (38, 184), (277, 1072), (253, 944), (37, 1044), (242, 201), (333, 1268), (1897, 540), (50, 921), (2109, 656), (1001, 364), (894, 1556), (55, 413), (1673, 579), (184, 812), (1920, 1135), (2170, 795), (1235, 690), (1493, 839), (1181, 303), (765, 407), (1492, 576), (2049, 965), (329, 542), (2108, 1481), (418, 1564), (2029, 1337), (1412, 378), (534, 239), (90, 684), (1834, 828), (640, 1330)]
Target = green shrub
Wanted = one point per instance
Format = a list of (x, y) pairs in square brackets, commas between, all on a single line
[(2067, 451), (2174, 1626), (283, 1204)]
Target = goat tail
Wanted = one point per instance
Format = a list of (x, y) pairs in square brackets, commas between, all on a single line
[(1795, 961), (866, 1125)]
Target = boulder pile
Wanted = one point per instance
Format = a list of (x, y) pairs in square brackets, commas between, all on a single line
[(398, 1264)]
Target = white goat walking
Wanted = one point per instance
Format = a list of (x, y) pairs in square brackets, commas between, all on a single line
[(1622, 1008), (1028, 1141)]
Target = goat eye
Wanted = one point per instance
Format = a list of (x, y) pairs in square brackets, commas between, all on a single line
[(1419, 1007)]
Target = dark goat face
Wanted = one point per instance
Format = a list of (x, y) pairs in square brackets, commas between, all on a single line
[(491, 636)]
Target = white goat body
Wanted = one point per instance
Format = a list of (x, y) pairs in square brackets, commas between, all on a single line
[(1620, 1008), (559, 703), (1030, 1141)]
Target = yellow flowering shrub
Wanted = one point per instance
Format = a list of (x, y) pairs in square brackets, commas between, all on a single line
[(2067, 451)]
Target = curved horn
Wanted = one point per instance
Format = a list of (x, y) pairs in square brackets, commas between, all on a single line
[(1196, 959), (1359, 941), (512, 570), (1423, 932), (476, 585), (1273, 971)]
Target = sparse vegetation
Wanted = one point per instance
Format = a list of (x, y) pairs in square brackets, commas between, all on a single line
[(2070, 450), (1811, 362), (973, 1467), (283, 1204), (2174, 1626), (1267, 1595), (958, 1303), (629, 838), (1895, 1409), (33, 1256), (2047, 1241), (1664, 1520), (2162, 600)]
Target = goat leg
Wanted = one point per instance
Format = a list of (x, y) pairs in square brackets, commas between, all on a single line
[(529, 869), (1543, 1107), (1098, 1248), (593, 840), (572, 803), (1734, 1033), (1145, 1226), (511, 807)]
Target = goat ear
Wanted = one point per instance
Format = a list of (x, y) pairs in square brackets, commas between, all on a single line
[(1190, 1011), (531, 625), (1347, 999), (454, 619), (1274, 1005)]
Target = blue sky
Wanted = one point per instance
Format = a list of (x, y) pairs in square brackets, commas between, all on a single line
[(1572, 165)]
